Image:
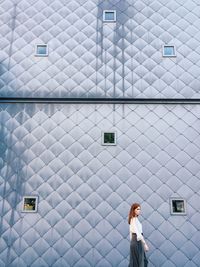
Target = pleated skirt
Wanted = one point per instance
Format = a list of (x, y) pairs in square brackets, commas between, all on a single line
[(137, 253)]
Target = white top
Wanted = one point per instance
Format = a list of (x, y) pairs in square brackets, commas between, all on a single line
[(136, 228)]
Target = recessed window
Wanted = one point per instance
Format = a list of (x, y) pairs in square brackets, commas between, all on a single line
[(30, 204), (109, 138), (169, 51), (41, 50), (178, 206), (109, 15)]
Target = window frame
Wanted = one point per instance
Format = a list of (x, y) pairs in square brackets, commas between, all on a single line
[(171, 206), (36, 204), (41, 55), (111, 11), (103, 138), (163, 51)]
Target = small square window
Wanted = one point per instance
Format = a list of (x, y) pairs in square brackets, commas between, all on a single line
[(109, 138), (169, 51), (178, 206), (30, 204), (41, 50), (109, 15)]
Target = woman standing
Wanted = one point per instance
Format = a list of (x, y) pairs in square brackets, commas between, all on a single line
[(138, 245)]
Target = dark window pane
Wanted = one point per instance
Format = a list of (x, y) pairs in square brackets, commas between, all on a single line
[(109, 138), (29, 204), (178, 206)]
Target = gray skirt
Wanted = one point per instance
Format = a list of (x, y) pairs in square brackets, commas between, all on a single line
[(137, 253)]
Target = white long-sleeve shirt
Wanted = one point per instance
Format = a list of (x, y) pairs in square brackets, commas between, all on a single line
[(136, 228)]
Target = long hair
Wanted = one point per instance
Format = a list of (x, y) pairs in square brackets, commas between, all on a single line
[(132, 211)]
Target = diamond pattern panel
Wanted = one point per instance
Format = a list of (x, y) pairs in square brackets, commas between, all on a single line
[(89, 58), (85, 189)]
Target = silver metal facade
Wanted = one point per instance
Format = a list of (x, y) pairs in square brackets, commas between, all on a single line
[(54, 151), (85, 189), (89, 58)]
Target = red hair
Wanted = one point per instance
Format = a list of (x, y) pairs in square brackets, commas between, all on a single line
[(132, 211)]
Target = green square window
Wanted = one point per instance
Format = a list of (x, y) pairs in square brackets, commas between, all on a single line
[(109, 138), (30, 204)]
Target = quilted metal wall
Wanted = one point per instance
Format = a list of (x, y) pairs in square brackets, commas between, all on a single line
[(85, 189), (89, 58), (54, 150)]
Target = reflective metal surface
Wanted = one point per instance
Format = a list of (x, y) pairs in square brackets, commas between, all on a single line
[(54, 150), (90, 58), (85, 189)]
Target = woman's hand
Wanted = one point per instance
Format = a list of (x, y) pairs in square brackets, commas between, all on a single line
[(146, 248)]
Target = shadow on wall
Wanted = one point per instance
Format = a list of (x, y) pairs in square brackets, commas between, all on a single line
[(111, 43), (4, 80), (5, 75), (11, 166)]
